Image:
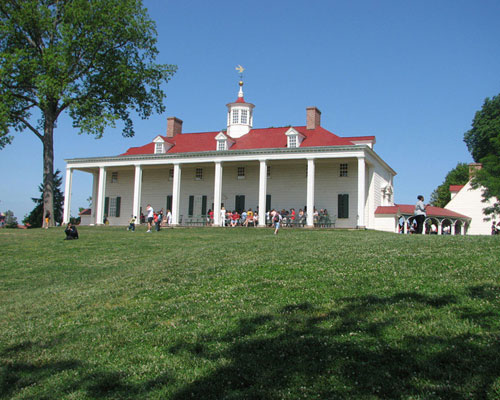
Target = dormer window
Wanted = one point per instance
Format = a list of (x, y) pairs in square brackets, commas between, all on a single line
[(221, 145), (159, 148), (222, 142), (294, 138)]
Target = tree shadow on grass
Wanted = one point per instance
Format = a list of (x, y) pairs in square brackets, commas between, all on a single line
[(347, 352), (15, 377)]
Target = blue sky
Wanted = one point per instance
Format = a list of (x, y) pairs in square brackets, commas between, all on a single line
[(413, 74)]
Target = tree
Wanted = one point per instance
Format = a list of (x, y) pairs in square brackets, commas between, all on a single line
[(36, 216), (10, 219), (94, 60), (483, 142), (457, 176)]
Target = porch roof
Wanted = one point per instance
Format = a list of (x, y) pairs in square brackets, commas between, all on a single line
[(408, 210)]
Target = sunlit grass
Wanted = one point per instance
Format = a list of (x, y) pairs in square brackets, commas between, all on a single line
[(240, 313)]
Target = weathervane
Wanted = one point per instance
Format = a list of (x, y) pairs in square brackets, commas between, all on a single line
[(240, 69)]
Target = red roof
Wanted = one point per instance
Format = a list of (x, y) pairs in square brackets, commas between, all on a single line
[(87, 211), (408, 209), (240, 100), (456, 188), (267, 138)]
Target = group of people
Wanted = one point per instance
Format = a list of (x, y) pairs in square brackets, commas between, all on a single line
[(495, 228), (251, 218), (158, 219)]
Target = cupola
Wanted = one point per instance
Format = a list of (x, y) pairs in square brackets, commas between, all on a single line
[(239, 116)]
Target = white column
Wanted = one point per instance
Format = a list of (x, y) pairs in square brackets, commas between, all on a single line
[(67, 195), (462, 228), (310, 192), (95, 184), (101, 194), (361, 192), (405, 230), (217, 192), (136, 206), (262, 192), (440, 228), (176, 194)]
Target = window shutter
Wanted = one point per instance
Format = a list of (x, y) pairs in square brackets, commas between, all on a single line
[(106, 206), (240, 203), (169, 202), (343, 206), (204, 205), (191, 205), (268, 202), (118, 203)]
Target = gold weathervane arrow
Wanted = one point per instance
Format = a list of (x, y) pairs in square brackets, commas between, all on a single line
[(240, 69)]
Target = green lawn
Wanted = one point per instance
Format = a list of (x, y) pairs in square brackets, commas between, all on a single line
[(214, 313)]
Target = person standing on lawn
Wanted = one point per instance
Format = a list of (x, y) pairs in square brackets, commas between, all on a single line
[(276, 218), (420, 214), (150, 217)]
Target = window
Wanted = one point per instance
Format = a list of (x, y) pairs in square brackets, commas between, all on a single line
[(235, 116), (244, 116), (159, 148), (114, 177), (241, 172), (112, 206), (343, 206), (221, 145), (268, 171), (170, 174), (292, 141), (198, 174), (343, 169)]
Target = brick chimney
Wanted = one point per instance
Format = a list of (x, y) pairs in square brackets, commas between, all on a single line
[(174, 126), (313, 119), (473, 167)]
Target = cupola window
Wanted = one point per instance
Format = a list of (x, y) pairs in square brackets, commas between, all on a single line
[(236, 114), (244, 116)]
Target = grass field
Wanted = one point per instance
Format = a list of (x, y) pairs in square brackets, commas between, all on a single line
[(241, 314)]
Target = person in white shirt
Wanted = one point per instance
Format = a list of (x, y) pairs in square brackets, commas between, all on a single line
[(150, 217), (222, 216), (420, 214)]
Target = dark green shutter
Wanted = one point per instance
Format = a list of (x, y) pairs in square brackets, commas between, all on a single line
[(191, 205), (106, 206), (343, 206), (118, 203), (204, 205), (169, 202), (268, 202), (240, 203)]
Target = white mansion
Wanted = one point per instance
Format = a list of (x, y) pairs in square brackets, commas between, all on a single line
[(240, 168)]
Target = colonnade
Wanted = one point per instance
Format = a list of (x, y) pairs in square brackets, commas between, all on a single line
[(99, 191)]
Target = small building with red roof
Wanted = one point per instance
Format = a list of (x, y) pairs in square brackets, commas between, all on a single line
[(468, 199), (304, 167)]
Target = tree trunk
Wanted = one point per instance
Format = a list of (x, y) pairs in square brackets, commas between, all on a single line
[(48, 169)]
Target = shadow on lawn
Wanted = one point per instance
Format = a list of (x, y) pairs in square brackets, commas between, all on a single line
[(359, 349), (16, 376), (302, 353)]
